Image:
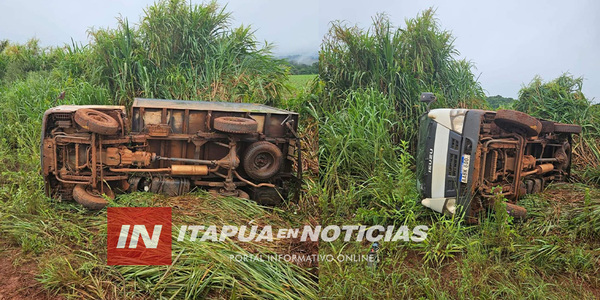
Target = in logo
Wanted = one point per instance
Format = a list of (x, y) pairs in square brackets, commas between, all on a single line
[(139, 236)]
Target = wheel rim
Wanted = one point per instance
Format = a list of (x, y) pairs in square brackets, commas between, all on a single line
[(263, 161), (93, 192), (97, 117)]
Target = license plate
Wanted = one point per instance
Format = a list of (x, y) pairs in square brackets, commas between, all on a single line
[(464, 167)]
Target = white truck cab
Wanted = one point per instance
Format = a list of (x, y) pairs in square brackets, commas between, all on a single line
[(464, 155)]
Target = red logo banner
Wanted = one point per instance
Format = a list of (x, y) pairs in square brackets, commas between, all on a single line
[(139, 236)]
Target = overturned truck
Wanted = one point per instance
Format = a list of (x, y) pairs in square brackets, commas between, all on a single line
[(169, 146), (468, 156)]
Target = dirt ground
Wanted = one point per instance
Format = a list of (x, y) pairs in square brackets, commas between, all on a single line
[(17, 277)]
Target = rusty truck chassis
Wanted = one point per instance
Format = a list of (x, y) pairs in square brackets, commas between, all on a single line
[(154, 157)]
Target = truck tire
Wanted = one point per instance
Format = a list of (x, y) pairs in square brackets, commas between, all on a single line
[(262, 160), (567, 128), (90, 199), (516, 211), (96, 121), (538, 186), (547, 126), (267, 196), (511, 120), (235, 125)]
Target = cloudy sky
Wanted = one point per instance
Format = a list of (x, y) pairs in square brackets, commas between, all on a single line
[(509, 41)]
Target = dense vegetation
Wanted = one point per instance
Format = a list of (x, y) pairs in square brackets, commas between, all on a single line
[(368, 114), (179, 51), (498, 101), (400, 63)]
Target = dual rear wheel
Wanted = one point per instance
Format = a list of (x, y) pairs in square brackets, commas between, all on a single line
[(262, 160)]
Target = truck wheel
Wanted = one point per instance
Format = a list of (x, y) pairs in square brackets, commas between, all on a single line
[(91, 199), (516, 211), (529, 184), (262, 160), (566, 128), (96, 121), (511, 120), (235, 125), (538, 186), (242, 194), (267, 196)]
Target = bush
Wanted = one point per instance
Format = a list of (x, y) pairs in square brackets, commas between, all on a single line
[(183, 51), (361, 166), (401, 63)]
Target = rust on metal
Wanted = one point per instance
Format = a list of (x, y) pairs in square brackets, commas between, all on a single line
[(520, 154), (183, 143)]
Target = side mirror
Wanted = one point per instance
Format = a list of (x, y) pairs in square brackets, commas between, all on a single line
[(428, 98)]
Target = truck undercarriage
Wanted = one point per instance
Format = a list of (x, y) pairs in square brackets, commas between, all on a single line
[(169, 147), (518, 159)]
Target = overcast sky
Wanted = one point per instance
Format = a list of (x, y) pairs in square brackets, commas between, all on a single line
[(509, 41)]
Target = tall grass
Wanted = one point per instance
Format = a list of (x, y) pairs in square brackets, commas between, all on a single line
[(401, 63), (185, 51), (17, 60), (551, 255), (369, 110), (361, 167)]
